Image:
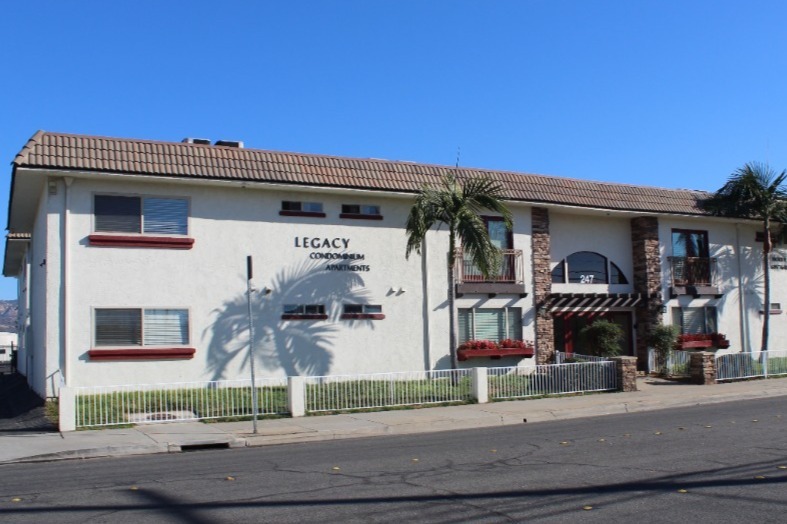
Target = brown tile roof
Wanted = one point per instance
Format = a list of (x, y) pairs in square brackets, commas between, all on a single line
[(176, 159)]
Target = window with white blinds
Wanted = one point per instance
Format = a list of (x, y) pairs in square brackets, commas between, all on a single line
[(141, 327), (132, 214), (118, 327), (494, 324), (117, 214), (166, 327), (695, 320), (165, 216)]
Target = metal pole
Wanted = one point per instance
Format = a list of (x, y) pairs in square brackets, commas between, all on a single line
[(251, 345)]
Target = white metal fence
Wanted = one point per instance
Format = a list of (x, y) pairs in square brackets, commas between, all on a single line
[(676, 363), (378, 390), (148, 403), (751, 365), (231, 399), (552, 379)]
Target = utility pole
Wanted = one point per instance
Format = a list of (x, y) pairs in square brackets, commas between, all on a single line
[(249, 275)]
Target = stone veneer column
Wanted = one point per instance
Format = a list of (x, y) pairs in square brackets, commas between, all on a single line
[(626, 369), (647, 280), (542, 277), (702, 367)]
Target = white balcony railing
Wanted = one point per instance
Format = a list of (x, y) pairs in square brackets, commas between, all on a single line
[(510, 271)]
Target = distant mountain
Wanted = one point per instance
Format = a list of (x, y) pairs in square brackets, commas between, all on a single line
[(8, 312)]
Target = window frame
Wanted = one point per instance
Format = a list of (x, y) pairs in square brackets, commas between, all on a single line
[(366, 312), (141, 351), (563, 270), (701, 232), (705, 324), (141, 238), (513, 332), (365, 212), (304, 314), (301, 212), (509, 240)]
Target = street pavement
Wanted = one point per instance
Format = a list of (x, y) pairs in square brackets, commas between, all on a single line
[(652, 394)]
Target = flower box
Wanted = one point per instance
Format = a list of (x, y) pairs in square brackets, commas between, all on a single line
[(493, 350), (691, 344), (710, 340), (496, 354)]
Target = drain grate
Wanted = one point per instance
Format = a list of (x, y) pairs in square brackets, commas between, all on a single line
[(201, 447)]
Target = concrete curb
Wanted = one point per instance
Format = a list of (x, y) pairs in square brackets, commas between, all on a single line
[(180, 437), (88, 453)]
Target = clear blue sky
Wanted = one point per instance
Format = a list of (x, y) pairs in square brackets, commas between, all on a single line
[(666, 93)]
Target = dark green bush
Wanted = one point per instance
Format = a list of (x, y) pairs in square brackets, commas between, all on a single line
[(602, 338)]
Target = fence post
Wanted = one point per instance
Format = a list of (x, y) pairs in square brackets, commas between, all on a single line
[(626, 369), (480, 385), (296, 396), (67, 417), (703, 367)]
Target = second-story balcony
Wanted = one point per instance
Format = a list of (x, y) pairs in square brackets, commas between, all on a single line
[(509, 279), (693, 276)]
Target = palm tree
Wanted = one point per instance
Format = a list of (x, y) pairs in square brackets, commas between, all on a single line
[(755, 191), (457, 204)]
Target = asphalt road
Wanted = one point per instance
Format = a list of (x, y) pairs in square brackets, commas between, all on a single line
[(719, 463)]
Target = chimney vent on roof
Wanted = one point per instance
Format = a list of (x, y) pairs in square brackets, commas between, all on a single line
[(200, 141), (229, 143)]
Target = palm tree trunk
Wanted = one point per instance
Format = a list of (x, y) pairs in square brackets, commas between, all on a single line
[(766, 268), (452, 297), (452, 317)]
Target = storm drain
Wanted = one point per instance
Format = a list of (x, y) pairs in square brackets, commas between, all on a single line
[(204, 446)]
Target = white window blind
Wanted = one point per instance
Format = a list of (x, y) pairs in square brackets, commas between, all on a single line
[(117, 214), (514, 323), (137, 327), (695, 320), (150, 215), (489, 324), (118, 327), (165, 327), (494, 324), (167, 216), (465, 322)]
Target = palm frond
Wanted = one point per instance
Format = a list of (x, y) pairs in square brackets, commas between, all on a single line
[(753, 191), (472, 233), (459, 205)]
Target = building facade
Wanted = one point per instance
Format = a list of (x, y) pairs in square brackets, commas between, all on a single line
[(131, 259)]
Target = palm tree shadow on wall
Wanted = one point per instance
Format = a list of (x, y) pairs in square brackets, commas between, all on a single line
[(749, 288), (297, 347)]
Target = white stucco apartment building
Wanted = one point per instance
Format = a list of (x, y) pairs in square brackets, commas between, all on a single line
[(131, 262)]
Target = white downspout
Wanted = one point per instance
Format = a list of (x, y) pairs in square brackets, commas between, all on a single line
[(425, 311), (744, 334), (65, 365)]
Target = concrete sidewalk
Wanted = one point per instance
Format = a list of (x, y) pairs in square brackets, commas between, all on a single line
[(653, 394)]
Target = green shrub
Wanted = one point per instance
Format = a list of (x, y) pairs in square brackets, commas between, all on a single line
[(602, 338), (663, 340)]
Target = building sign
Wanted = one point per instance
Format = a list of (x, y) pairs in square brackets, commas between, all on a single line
[(326, 248), (778, 261)]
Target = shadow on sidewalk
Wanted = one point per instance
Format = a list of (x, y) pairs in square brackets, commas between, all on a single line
[(21, 410)]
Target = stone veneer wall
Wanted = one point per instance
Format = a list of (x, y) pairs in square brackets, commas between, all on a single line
[(542, 277), (702, 367), (647, 280), (626, 369)]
